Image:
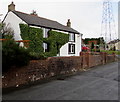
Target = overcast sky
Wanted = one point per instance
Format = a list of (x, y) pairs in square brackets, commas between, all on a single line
[(85, 15)]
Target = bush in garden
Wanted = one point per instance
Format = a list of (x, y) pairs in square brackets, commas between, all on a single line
[(13, 55)]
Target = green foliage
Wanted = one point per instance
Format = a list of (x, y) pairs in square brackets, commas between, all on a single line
[(55, 41), (13, 55), (99, 40), (111, 52), (5, 30), (92, 45), (35, 36)]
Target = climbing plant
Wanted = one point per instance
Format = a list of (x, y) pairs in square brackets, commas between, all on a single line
[(35, 37), (55, 40)]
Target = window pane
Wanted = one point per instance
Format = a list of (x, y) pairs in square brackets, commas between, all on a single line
[(45, 32), (71, 48), (45, 47), (71, 37)]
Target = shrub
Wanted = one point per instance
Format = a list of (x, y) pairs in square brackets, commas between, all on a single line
[(37, 56), (13, 55)]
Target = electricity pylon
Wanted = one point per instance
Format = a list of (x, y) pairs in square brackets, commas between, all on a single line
[(108, 29)]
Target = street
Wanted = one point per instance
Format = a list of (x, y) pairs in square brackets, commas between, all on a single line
[(98, 83)]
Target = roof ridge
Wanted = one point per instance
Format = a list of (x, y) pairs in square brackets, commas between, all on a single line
[(34, 15), (43, 22)]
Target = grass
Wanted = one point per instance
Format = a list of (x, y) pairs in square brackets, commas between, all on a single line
[(110, 52)]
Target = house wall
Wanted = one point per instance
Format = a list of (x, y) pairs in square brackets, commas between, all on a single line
[(13, 22), (64, 48), (117, 45)]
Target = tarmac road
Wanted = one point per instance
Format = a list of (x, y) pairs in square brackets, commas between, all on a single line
[(99, 83)]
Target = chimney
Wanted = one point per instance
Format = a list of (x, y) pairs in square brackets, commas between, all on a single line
[(11, 7), (34, 13), (69, 23)]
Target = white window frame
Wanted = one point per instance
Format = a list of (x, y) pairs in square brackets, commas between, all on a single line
[(45, 47), (72, 37), (45, 32)]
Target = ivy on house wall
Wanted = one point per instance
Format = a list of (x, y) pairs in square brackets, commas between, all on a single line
[(35, 36), (55, 40)]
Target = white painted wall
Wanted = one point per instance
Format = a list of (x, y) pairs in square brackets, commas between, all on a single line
[(13, 22), (64, 48), (117, 45)]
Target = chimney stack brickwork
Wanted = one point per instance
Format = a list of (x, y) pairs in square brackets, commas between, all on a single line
[(69, 23), (11, 7)]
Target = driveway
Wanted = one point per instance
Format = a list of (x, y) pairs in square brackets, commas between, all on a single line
[(98, 83)]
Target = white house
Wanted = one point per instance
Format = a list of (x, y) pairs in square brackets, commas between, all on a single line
[(13, 18), (114, 44)]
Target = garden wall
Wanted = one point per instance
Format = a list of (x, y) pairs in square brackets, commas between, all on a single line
[(53, 67)]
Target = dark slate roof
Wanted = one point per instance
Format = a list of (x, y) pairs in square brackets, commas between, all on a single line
[(43, 22), (114, 41)]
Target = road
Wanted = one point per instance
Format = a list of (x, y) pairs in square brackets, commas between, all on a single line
[(99, 83)]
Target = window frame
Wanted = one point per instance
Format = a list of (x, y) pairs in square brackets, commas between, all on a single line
[(45, 47), (71, 39), (45, 32), (70, 50)]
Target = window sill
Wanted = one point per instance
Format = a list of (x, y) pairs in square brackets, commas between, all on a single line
[(71, 41)]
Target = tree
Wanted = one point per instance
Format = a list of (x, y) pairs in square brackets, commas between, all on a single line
[(5, 30), (12, 53), (92, 45)]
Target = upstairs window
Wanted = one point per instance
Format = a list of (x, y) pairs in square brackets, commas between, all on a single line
[(72, 37), (45, 32)]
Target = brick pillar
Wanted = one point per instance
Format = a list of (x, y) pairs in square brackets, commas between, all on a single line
[(81, 55), (114, 55), (102, 57), (87, 59), (105, 55)]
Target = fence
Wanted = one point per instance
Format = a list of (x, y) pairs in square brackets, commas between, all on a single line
[(53, 67)]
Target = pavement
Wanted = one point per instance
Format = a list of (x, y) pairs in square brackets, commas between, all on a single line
[(98, 83)]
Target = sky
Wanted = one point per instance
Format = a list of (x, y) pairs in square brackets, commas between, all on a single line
[(85, 15)]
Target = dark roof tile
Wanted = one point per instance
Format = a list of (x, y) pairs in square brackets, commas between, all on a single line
[(43, 22)]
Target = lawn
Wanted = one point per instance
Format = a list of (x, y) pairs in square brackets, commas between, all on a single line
[(110, 52)]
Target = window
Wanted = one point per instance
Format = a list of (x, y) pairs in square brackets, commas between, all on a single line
[(72, 37), (45, 32), (71, 49), (46, 47)]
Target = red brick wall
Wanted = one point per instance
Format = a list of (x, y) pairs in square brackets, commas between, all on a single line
[(53, 66)]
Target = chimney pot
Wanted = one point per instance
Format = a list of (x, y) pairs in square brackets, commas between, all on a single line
[(69, 23), (11, 7)]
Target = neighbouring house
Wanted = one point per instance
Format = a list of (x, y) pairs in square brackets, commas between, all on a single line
[(93, 43), (114, 45), (14, 18)]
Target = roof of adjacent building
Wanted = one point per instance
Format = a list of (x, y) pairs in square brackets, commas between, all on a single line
[(114, 41), (43, 22)]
